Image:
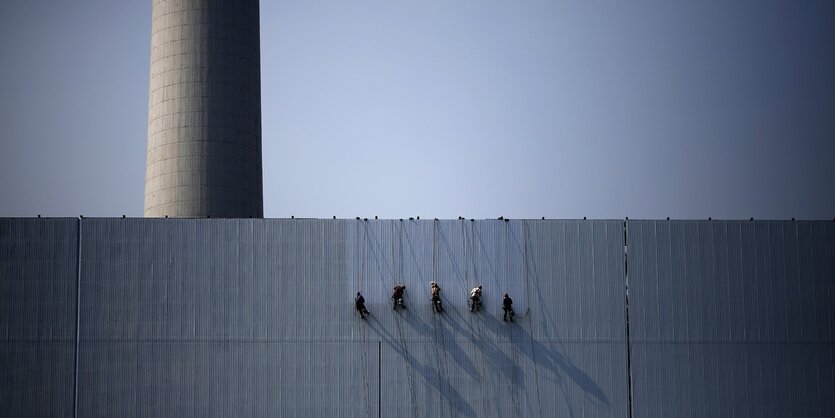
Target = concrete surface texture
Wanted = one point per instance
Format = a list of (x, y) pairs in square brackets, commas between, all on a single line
[(204, 113)]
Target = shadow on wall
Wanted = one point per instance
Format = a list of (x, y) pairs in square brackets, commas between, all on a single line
[(551, 359), (430, 375), (478, 348), (443, 339), (541, 355)]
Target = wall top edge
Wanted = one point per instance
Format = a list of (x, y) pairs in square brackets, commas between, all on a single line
[(410, 219)]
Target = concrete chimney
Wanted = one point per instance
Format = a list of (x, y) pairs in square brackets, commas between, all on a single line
[(204, 112)]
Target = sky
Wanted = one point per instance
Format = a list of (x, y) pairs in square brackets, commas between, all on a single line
[(439, 108)]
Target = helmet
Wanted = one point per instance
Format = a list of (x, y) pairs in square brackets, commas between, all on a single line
[(505, 295), (358, 293), (432, 283), (479, 286)]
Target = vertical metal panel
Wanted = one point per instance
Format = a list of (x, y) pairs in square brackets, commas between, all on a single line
[(731, 318), (213, 279), (824, 265), (38, 269), (36, 378), (213, 378), (732, 379), (499, 263), (576, 276), (38, 274), (743, 281)]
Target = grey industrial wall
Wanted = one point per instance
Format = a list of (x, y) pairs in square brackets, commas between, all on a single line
[(204, 112), (254, 317), (38, 278), (732, 318)]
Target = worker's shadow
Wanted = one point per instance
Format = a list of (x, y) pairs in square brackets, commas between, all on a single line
[(440, 335), (546, 357), (443, 336), (498, 359), (430, 375)]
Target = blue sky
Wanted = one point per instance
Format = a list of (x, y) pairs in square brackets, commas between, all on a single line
[(442, 108)]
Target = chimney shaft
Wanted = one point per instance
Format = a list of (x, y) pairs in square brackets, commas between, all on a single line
[(204, 112)]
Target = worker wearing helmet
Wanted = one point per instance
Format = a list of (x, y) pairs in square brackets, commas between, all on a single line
[(435, 290), (397, 296), (475, 297)]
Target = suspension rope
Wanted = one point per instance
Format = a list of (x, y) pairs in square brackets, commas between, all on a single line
[(445, 366), (514, 350), (517, 403), (478, 328), (526, 237), (527, 270), (401, 333), (402, 338), (363, 332), (364, 355), (436, 321)]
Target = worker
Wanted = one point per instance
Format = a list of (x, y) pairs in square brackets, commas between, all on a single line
[(507, 307), (397, 296), (475, 297), (436, 297), (359, 304)]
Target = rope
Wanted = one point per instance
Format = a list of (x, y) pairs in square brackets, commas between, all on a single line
[(363, 334), (436, 320), (515, 351), (366, 390), (525, 238), (398, 321), (516, 402), (402, 338), (527, 270), (536, 379), (445, 367), (408, 366), (484, 397)]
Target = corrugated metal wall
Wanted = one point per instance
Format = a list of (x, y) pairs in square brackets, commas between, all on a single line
[(473, 364), (732, 318), (38, 271), (218, 318), (253, 317)]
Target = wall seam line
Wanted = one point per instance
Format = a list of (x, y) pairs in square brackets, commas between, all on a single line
[(77, 320), (628, 325)]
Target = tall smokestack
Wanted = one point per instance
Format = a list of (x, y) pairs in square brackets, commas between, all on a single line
[(204, 112)]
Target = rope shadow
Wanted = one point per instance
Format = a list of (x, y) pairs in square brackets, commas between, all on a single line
[(430, 375), (548, 358)]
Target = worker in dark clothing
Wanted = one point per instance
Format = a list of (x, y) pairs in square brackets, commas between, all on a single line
[(359, 304), (435, 290), (507, 307), (397, 296)]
